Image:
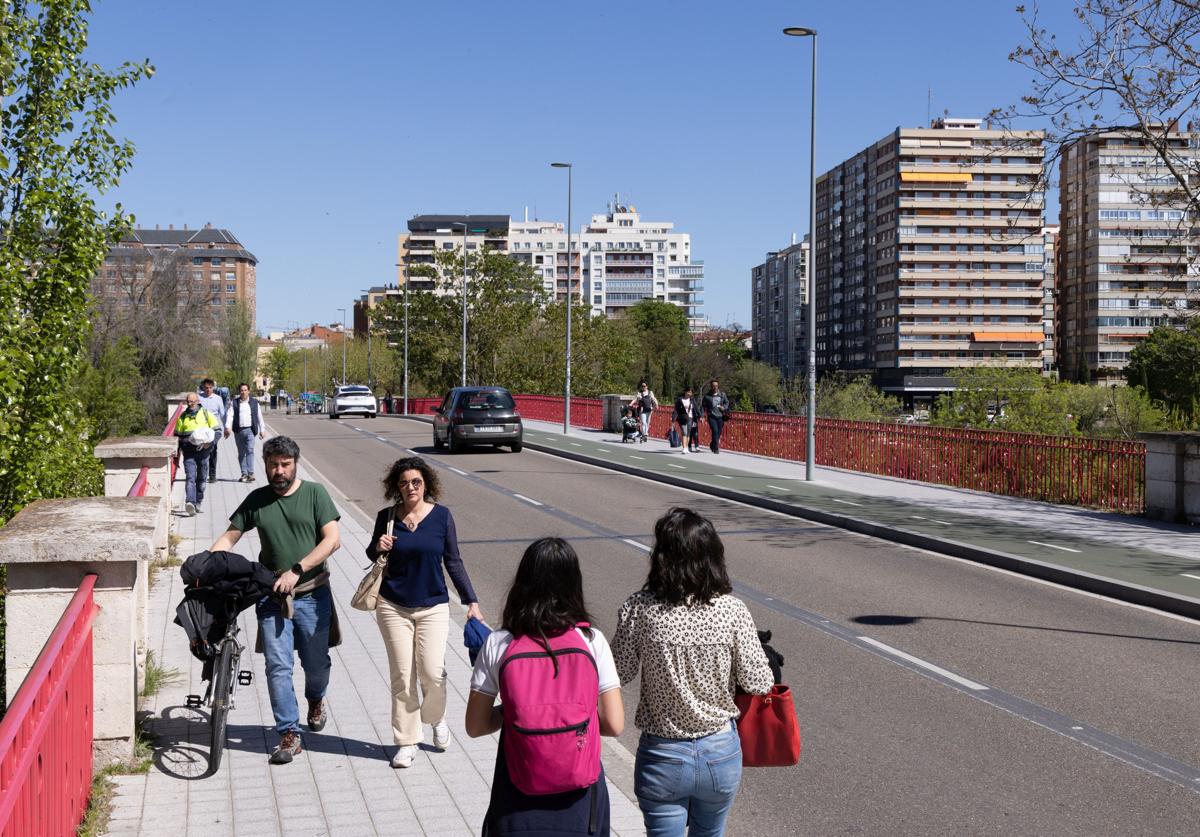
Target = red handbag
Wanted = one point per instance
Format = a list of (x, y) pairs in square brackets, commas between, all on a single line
[(768, 728)]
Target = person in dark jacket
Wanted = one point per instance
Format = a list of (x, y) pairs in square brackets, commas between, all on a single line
[(716, 410), (244, 424), (687, 416)]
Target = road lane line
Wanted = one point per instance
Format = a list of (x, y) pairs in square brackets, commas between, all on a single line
[(917, 661), (846, 502), (1189, 575), (632, 542), (673, 465), (603, 450), (723, 476), (527, 499), (931, 520), (455, 470), (777, 488), (381, 438), (575, 445), (1052, 546), (635, 456)]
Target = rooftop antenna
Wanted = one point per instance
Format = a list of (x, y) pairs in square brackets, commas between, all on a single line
[(929, 105), (526, 213)]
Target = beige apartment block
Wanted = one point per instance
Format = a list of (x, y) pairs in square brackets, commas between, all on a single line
[(1126, 252), (930, 256)]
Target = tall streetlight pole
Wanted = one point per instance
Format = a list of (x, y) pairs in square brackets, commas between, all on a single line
[(810, 441), (405, 342), (343, 310), (464, 299), (570, 300)]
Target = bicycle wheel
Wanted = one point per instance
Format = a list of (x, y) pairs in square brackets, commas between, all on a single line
[(222, 690)]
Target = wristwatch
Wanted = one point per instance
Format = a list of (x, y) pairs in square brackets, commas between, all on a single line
[(297, 568)]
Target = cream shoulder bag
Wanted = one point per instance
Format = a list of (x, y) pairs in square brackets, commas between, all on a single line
[(366, 597)]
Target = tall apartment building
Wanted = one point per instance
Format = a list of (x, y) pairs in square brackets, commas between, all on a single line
[(929, 256), (1049, 297), (199, 267), (1124, 247), (617, 259), (777, 314)]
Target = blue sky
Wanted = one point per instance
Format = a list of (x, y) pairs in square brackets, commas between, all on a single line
[(314, 131)]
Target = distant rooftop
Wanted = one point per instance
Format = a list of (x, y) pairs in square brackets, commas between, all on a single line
[(475, 223)]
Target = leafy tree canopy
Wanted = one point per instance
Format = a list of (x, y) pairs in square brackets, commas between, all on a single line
[(1167, 363)]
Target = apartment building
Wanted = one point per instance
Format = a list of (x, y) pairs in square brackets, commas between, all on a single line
[(930, 256), (206, 267), (779, 288), (1123, 248), (616, 259), (1049, 297)]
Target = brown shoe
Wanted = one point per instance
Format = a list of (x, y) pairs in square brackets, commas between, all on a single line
[(288, 749), (316, 715)]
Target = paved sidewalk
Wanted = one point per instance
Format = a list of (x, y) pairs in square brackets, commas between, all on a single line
[(342, 784)]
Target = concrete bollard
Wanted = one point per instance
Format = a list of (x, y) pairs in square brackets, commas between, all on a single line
[(48, 547), (1172, 476)]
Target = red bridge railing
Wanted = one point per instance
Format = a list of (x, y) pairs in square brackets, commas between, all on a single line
[(138, 489), (46, 735)]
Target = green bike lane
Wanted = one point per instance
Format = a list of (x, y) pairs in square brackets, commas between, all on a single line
[(1078, 548)]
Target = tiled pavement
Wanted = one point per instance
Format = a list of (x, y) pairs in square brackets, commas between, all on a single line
[(342, 783)]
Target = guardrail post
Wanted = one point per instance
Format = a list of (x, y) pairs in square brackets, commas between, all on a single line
[(1172, 476), (49, 546)]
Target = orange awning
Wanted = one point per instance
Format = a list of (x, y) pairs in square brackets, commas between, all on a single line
[(935, 177), (1008, 336)]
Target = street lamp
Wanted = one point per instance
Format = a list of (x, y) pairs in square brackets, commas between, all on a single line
[(811, 330), (463, 224), (570, 298), (405, 342), (343, 310)]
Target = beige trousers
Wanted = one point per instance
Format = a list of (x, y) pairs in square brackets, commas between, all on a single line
[(415, 639)]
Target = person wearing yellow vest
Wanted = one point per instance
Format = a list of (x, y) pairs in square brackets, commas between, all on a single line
[(196, 429)]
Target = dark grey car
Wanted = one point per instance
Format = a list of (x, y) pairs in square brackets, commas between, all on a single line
[(477, 416)]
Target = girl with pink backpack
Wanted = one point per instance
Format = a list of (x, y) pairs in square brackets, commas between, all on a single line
[(559, 692)]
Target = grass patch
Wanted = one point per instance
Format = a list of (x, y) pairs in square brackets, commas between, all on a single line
[(100, 798), (157, 675)]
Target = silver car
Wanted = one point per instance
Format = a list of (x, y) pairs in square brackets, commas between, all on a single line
[(353, 400)]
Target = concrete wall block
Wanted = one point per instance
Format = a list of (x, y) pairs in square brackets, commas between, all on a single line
[(114, 695), (1161, 466)]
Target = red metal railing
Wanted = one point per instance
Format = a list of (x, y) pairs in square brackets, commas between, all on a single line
[(138, 489), (46, 736), (585, 412)]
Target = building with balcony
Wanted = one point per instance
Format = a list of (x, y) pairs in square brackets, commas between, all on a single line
[(930, 256), (779, 289), (206, 268), (1125, 250)]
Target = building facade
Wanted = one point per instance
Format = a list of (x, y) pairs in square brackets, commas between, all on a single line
[(930, 257), (779, 288), (207, 269), (1125, 255)]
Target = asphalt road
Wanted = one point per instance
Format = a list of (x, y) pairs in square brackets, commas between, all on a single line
[(1047, 711)]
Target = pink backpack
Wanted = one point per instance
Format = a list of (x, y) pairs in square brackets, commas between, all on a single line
[(551, 718)]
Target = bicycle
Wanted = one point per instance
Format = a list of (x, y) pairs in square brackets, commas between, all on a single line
[(224, 678)]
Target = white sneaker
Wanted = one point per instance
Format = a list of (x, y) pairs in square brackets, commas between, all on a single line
[(404, 756), (190, 508), (441, 735)]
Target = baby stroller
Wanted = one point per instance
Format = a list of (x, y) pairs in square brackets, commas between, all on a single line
[(630, 431)]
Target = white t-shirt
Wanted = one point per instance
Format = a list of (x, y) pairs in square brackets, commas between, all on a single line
[(485, 678)]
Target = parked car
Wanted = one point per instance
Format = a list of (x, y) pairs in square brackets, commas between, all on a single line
[(477, 416), (352, 400)]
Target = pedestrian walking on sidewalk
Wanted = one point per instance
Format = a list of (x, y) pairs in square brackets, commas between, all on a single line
[(645, 403), (547, 665), (687, 417), (693, 644), (244, 424), (214, 402), (197, 429), (413, 610), (297, 526), (716, 410)]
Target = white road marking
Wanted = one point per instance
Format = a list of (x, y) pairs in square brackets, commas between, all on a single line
[(632, 542), (455, 470), (931, 520), (527, 499), (777, 488), (962, 681), (604, 450), (1190, 575), (576, 445), (846, 502), (1053, 546), (381, 438), (673, 465), (723, 476), (635, 456)]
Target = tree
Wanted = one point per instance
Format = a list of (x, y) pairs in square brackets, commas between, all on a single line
[(1167, 361), (662, 331), (108, 392), (277, 366), (1020, 400), (239, 345), (852, 398), (57, 154)]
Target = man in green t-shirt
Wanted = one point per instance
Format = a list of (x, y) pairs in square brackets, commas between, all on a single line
[(297, 527)]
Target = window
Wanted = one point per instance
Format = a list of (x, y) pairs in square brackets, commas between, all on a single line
[(216, 277), (197, 260), (216, 261), (230, 276), (231, 288), (197, 276)]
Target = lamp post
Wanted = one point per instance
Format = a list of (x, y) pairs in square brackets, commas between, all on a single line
[(463, 374), (343, 310), (405, 342), (570, 299), (811, 419)]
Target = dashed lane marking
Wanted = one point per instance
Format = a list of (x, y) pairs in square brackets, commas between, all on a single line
[(673, 465), (917, 661), (635, 456), (632, 542), (576, 445), (847, 502), (455, 470), (529, 500), (777, 488), (931, 520), (1055, 546), (1190, 575)]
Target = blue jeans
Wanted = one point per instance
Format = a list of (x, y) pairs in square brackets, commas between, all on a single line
[(645, 419), (306, 632), (677, 780), (195, 466), (245, 446)]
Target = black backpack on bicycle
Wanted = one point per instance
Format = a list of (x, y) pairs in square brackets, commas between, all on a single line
[(219, 586)]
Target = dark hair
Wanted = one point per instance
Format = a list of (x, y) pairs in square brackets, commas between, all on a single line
[(546, 595), (208, 381), (280, 446), (687, 565), (391, 481), (243, 384)]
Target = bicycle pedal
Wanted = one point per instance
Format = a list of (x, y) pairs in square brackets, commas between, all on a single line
[(245, 677), (193, 702)]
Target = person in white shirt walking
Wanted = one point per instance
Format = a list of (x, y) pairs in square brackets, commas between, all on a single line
[(242, 421), (214, 402)]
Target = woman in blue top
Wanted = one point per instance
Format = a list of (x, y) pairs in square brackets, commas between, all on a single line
[(413, 611)]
